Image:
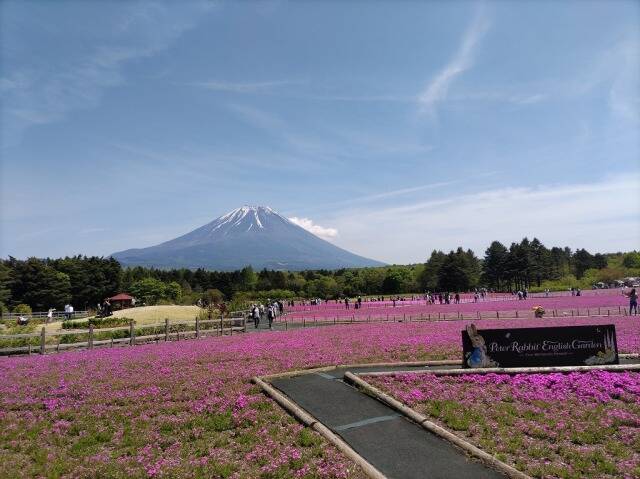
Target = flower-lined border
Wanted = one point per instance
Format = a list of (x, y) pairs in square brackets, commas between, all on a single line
[(423, 421)]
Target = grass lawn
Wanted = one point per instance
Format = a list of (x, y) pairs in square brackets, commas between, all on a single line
[(157, 314), (143, 315)]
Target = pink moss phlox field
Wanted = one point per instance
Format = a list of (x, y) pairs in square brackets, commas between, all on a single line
[(187, 409), (576, 425), (564, 304)]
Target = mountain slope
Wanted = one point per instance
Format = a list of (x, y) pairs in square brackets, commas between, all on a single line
[(251, 235)]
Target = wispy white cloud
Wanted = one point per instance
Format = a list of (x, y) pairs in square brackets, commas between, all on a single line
[(308, 150), (88, 231), (387, 195), (600, 216), (255, 87), (310, 226), (48, 93), (436, 90), (624, 92)]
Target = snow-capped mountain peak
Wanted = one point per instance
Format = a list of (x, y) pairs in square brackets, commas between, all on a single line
[(249, 235)]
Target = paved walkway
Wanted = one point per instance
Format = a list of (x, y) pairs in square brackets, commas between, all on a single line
[(393, 444)]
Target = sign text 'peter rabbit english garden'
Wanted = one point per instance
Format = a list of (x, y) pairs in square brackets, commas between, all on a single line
[(553, 346)]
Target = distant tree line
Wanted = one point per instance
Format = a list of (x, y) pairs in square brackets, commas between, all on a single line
[(523, 265), (85, 281)]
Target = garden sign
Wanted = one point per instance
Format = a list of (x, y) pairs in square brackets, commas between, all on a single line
[(552, 346)]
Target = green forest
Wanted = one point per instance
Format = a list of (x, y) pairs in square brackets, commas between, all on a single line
[(83, 281)]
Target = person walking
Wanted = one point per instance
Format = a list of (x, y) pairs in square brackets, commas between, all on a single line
[(50, 315), (633, 302), (256, 316), (270, 315)]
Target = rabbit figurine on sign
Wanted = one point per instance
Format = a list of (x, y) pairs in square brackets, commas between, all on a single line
[(478, 357)]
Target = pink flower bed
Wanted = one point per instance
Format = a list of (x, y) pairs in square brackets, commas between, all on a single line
[(577, 425), (187, 409), (563, 304)]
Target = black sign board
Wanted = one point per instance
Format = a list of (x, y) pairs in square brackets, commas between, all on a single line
[(553, 346)]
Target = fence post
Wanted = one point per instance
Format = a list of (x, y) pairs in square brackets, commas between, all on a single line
[(498, 314), (91, 336), (42, 339), (132, 334), (221, 326), (619, 310), (244, 322), (197, 326), (516, 313), (166, 329)]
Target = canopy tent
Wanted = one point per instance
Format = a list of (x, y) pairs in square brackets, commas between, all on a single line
[(123, 300)]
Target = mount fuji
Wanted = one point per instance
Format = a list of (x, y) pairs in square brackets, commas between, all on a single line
[(253, 236)]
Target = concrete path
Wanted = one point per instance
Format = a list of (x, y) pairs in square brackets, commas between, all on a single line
[(394, 445)]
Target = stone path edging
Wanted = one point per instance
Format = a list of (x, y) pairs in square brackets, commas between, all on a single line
[(541, 369), (424, 422), (298, 372), (308, 420)]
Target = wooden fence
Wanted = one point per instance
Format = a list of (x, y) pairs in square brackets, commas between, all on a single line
[(43, 315), (294, 319), (45, 341)]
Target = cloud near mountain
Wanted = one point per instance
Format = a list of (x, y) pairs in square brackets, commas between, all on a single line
[(320, 231)]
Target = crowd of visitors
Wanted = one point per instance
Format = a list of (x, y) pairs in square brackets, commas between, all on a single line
[(271, 311)]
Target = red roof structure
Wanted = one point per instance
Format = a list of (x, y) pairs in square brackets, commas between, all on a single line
[(121, 297)]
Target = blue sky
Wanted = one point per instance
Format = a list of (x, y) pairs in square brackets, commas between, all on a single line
[(389, 128)]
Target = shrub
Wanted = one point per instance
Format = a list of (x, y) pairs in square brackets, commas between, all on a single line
[(22, 309), (97, 323)]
